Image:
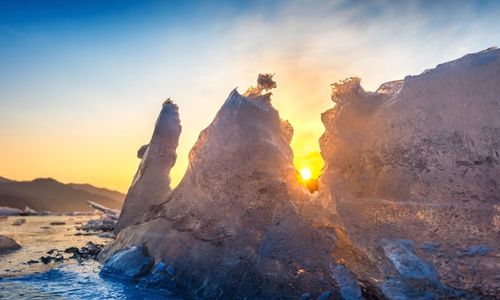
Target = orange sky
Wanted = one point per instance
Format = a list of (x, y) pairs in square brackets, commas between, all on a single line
[(101, 148), (80, 95)]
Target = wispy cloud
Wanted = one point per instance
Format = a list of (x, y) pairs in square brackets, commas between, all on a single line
[(117, 65)]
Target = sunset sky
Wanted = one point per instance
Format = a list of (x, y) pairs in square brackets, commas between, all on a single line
[(82, 82)]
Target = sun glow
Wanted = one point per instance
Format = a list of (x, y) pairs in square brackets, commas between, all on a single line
[(305, 173)]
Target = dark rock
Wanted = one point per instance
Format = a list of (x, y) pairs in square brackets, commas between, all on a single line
[(83, 233), (7, 244), (91, 248), (46, 259), (72, 250), (89, 251), (30, 262), (52, 251), (58, 258), (56, 223)]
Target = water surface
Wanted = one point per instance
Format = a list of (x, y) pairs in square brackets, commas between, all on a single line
[(57, 280)]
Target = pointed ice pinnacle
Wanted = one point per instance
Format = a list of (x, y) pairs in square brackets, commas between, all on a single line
[(151, 184)]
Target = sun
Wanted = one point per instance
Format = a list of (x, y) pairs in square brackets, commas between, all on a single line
[(305, 173)]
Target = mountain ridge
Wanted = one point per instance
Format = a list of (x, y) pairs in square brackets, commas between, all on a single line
[(48, 194)]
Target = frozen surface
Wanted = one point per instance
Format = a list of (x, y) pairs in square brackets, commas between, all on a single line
[(419, 160)]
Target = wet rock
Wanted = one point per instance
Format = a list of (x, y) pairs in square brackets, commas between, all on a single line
[(46, 259), (72, 250), (91, 248), (54, 255), (130, 264), (7, 244), (89, 251)]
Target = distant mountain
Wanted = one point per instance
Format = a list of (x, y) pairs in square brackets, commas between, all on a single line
[(98, 191), (47, 194), (3, 179)]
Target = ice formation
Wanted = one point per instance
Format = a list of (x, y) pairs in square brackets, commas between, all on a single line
[(151, 184), (407, 205), (419, 160), (234, 226)]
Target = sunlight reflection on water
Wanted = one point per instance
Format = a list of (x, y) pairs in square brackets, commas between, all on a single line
[(64, 280), (36, 236)]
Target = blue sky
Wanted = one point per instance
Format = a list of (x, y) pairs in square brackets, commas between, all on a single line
[(81, 82)]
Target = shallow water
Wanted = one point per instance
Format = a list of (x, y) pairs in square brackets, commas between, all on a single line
[(73, 281), (63, 280), (36, 237)]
